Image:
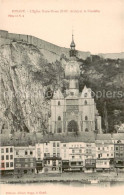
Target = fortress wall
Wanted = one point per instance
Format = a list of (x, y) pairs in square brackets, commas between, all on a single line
[(13, 36), (3, 34), (23, 38), (34, 41), (41, 44)]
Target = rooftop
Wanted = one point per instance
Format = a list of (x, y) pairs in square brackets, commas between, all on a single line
[(26, 139)]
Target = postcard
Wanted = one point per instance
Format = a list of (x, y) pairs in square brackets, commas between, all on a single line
[(61, 97)]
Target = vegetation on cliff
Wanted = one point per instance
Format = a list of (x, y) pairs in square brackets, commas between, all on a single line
[(106, 78)]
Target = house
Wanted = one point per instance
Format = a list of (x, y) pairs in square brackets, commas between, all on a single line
[(90, 157), (24, 161), (7, 159), (76, 156), (119, 155), (52, 162), (104, 152), (65, 156), (39, 149)]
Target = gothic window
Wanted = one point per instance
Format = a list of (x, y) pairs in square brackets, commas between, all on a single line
[(59, 118), (86, 130), (59, 130), (85, 95), (85, 102), (58, 103), (86, 118)]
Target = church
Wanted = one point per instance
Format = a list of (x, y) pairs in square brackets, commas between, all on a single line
[(74, 112)]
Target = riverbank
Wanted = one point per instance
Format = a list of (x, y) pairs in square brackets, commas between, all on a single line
[(64, 177)]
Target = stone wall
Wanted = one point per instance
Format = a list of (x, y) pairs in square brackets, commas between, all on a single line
[(41, 44)]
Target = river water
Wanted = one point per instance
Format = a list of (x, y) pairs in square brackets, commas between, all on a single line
[(63, 188)]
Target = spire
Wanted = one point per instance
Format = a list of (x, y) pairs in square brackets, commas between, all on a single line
[(72, 47)]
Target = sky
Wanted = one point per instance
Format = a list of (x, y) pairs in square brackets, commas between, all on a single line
[(98, 25)]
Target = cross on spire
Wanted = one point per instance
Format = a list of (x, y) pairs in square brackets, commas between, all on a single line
[(72, 46)]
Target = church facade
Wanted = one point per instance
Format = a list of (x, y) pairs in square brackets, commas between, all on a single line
[(74, 112)]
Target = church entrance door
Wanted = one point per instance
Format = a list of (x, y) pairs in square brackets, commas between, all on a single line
[(72, 126)]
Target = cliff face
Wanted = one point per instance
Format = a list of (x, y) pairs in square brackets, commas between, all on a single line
[(25, 76)]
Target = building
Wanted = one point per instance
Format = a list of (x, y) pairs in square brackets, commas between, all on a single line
[(90, 157), (7, 159), (39, 149), (52, 164), (104, 152), (119, 155), (65, 156), (52, 161), (73, 111), (24, 161), (76, 156)]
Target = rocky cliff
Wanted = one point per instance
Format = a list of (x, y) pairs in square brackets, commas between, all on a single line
[(27, 79)]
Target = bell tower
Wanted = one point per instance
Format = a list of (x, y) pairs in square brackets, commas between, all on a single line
[(72, 70), (72, 47)]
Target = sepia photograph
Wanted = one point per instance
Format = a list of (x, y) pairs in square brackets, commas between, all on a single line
[(61, 97)]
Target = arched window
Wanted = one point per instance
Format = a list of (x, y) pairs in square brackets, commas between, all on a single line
[(58, 103), (85, 102), (86, 130), (85, 95), (59, 130), (73, 126), (59, 118), (86, 118)]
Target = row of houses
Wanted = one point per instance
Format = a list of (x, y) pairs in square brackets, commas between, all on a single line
[(70, 153)]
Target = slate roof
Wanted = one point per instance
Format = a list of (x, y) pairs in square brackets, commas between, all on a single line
[(118, 136), (103, 136)]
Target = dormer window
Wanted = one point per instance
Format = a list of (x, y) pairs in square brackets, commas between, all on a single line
[(86, 118), (85, 95)]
